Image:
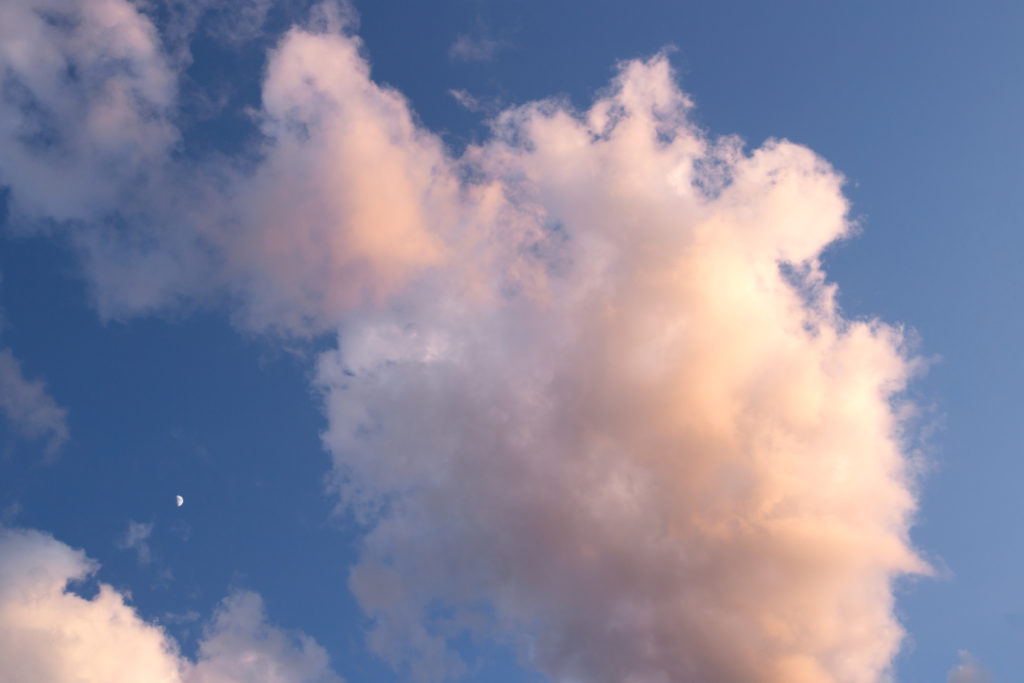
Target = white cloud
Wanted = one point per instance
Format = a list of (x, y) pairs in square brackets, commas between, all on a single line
[(592, 393), (48, 633), (968, 671), (28, 407)]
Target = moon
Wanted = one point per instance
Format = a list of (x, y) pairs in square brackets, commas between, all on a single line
[(179, 500)]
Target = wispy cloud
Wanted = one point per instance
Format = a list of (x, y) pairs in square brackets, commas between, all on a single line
[(136, 538), (490, 106), (28, 407), (10, 514), (968, 671), (476, 47)]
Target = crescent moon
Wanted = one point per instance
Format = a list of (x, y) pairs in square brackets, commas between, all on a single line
[(179, 500)]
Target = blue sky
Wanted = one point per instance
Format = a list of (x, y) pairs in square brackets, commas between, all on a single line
[(389, 330)]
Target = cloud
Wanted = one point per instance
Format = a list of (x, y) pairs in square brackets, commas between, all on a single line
[(347, 200), (476, 47), (135, 538), (234, 23), (86, 138), (10, 513), (86, 95), (240, 646), (490, 106), (592, 393), (48, 633), (28, 407), (659, 452), (968, 671), (238, 22), (466, 100)]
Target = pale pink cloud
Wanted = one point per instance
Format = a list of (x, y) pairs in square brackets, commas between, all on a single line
[(48, 633), (350, 198), (670, 460), (347, 202), (239, 646)]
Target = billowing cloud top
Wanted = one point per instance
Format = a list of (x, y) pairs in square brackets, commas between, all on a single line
[(667, 457), (592, 393)]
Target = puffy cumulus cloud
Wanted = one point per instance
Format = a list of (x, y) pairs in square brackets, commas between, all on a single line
[(28, 407), (343, 202), (968, 671), (592, 392), (349, 199), (48, 633), (670, 458), (240, 646)]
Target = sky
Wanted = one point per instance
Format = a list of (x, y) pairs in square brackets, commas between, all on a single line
[(538, 341)]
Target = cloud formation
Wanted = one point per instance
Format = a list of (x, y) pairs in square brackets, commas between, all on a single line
[(662, 454), (968, 671), (28, 407), (349, 199), (239, 646), (346, 201), (86, 94), (592, 393), (473, 48), (48, 633), (136, 538)]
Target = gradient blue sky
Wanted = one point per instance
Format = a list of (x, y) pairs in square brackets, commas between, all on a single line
[(917, 104)]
